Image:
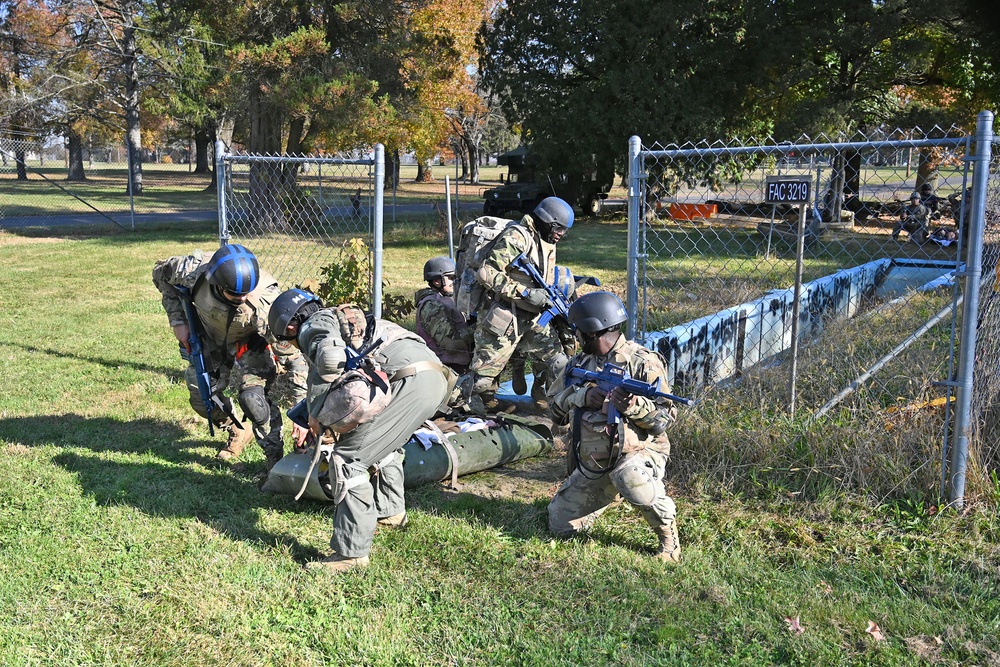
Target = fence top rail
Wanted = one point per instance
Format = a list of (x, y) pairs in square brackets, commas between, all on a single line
[(247, 158), (806, 149)]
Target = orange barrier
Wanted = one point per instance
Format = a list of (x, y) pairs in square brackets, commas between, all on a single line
[(693, 211)]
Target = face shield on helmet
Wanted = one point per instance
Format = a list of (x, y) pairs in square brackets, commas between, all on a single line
[(234, 270), (554, 217)]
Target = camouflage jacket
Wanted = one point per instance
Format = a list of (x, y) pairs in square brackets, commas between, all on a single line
[(443, 327), (227, 329), (918, 213), (322, 338), (503, 280), (642, 364)]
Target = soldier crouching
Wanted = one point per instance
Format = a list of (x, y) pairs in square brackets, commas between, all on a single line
[(605, 460), (372, 407)]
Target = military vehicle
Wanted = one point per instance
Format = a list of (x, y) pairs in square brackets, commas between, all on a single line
[(525, 186)]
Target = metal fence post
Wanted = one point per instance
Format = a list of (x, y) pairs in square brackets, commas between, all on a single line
[(970, 313), (379, 201), (800, 249), (634, 204), (220, 186)]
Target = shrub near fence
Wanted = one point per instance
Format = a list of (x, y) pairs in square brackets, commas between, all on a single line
[(875, 324), (297, 212)]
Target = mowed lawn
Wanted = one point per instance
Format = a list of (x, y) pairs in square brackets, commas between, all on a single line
[(123, 542)]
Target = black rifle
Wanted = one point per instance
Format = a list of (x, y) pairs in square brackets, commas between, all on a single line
[(197, 359)]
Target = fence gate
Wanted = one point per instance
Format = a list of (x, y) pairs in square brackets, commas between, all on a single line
[(296, 213), (846, 306)]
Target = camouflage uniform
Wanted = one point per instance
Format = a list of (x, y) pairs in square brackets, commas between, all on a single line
[(914, 219), (509, 324), (443, 327), (371, 451), (237, 346), (638, 475)]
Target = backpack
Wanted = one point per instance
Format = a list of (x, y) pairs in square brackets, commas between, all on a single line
[(475, 243)]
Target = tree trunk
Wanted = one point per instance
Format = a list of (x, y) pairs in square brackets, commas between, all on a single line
[(265, 178), (133, 133), (202, 140), (20, 155), (473, 151), (852, 172), (927, 169), (391, 170), (75, 153), (425, 171)]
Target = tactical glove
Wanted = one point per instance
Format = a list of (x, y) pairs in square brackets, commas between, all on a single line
[(537, 297), (621, 399)]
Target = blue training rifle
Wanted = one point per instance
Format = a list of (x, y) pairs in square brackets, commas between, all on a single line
[(560, 304), (196, 357), (616, 376)]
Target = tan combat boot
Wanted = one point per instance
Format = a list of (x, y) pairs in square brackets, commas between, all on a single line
[(238, 439), (394, 521), (337, 564), (670, 544)]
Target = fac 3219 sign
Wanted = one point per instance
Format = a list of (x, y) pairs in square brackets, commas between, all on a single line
[(787, 190)]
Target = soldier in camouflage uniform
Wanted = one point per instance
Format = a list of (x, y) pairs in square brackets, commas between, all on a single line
[(231, 297), (509, 323), (607, 460), (439, 321), (913, 219), (367, 461)]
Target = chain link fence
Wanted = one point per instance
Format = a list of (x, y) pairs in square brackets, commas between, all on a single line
[(40, 185), (832, 360), (299, 214)]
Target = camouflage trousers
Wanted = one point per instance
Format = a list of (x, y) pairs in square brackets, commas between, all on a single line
[(503, 331), (253, 369), (414, 400), (638, 478)]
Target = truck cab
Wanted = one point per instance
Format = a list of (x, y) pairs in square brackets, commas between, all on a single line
[(525, 186)]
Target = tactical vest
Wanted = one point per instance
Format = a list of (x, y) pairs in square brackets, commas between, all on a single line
[(451, 357), (595, 444), (225, 324)]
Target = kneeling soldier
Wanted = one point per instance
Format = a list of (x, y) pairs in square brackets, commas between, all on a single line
[(606, 459)]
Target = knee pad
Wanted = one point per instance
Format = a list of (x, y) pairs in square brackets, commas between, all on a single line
[(557, 367), (255, 406), (635, 478)]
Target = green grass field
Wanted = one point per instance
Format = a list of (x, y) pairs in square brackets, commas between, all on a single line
[(123, 542)]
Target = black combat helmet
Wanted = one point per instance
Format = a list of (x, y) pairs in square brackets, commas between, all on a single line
[(234, 269), (291, 305), (552, 213), (437, 267), (596, 312)]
